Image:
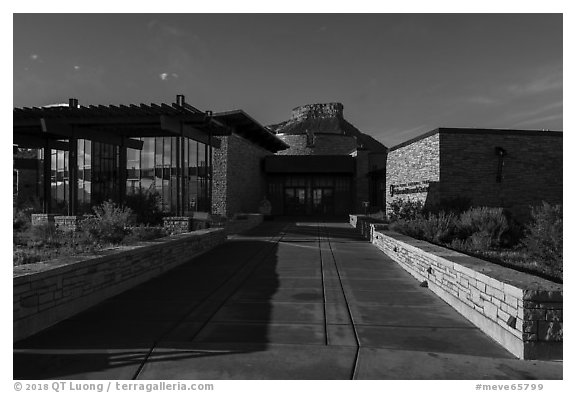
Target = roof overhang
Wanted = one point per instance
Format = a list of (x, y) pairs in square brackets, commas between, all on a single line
[(245, 126), (310, 164), (117, 125)]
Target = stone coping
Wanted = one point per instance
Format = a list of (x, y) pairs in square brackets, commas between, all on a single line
[(55, 266), (535, 288)]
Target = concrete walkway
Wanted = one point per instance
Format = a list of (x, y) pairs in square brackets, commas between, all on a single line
[(286, 301)]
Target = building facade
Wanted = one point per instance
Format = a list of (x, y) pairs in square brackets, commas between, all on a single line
[(330, 167), (101, 153), (513, 169), (68, 159)]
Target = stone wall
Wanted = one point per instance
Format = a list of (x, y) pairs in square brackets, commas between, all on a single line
[(178, 224), (324, 144), (239, 180), (42, 219), (67, 223), (49, 292), (522, 312), (531, 169), (463, 163), (417, 162)]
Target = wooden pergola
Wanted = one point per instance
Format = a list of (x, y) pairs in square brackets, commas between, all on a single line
[(60, 128)]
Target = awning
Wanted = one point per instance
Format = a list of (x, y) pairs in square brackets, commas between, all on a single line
[(310, 164)]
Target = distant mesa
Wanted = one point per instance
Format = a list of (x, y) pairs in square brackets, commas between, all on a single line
[(322, 118)]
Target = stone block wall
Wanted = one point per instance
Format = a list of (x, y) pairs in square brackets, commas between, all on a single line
[(365, 224), (49, 292), (410, 166), (67, 223), (42, 218), (178, 224), (239, 180), (522, 312)]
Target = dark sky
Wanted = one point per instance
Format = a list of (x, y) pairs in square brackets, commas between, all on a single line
[(398, 75)]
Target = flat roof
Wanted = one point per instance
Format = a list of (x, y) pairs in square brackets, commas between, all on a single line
[(485, 131)]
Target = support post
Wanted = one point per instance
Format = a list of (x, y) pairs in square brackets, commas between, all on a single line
[(47, 175), (182, 180), (122, 168), (178, 168), (73, 177)]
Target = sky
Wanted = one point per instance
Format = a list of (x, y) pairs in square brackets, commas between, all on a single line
[(397, 75)]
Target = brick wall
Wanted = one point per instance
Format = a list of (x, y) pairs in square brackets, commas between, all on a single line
[(414, 163), (47, 293), (463, 164), (239, 180), (522, 312), (531, 170), (324, 144)]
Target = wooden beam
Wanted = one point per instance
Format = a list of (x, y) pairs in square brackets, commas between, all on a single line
[(38, 142), (55, 127)]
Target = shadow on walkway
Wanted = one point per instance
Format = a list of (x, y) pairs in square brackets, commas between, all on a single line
[(113, 339)]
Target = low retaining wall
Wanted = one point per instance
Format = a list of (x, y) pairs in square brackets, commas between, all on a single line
[(364, 224), (46, 293), (520, 311)]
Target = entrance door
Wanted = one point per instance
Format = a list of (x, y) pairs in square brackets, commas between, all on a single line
[(295, 201), (322, 201)]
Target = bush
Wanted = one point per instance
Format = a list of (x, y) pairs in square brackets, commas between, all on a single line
[(109, 223), (21, 220), (412, 228), (43, 234), (482, 227), (439, 228), (405, 209), (146, 205), (543, 240)]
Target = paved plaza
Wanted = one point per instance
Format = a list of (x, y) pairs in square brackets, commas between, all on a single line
[(288, 300)]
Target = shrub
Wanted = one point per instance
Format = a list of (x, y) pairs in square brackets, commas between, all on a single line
[(21, 220), (43, 234), (439, 228), (109, 223), (543, 240), (146, 205), (483, 227), (405, 209), (412, 228)]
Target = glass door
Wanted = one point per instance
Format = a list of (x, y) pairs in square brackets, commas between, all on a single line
[(322, 201), (295, 201)]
